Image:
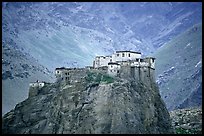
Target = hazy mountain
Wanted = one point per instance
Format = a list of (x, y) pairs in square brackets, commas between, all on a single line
[(18, 70), (71, 34), (179, 69)]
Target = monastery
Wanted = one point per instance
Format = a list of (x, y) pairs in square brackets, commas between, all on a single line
[(121, 64)]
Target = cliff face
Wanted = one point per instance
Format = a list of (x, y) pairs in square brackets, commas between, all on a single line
[(95, 104)]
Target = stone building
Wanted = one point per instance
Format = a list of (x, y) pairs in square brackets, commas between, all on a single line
[(122, 64), (35, 88), (70, 74)]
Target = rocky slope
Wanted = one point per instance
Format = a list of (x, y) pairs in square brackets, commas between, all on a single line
[(72, 33), (187, 121), (96, 104), (179, 70), (18, 70)]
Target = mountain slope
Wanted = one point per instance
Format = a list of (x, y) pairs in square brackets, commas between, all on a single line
[(179, 69), (18, 70), (187, 121), (73, 31)]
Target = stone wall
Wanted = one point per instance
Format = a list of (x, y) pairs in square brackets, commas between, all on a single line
[(143, 74), (70, 75)]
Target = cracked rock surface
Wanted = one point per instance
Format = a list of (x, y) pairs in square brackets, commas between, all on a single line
[(86, 107)]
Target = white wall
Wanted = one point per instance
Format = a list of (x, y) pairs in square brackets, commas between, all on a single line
[(33, 84), (119, 56), (112, 69), (102, 61), (39, 84)]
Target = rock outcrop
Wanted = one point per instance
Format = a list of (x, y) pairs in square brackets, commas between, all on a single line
[(187, 121), (96, 104)]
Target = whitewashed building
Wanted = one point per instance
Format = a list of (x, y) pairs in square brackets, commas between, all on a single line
[(113, 68), (119, 57), (150, 61), (37, 84), (125, 55), (101, 61), (123, 58)]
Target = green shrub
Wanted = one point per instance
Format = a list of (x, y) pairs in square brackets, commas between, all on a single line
[(107, 79), (186, 131), (98, 77)]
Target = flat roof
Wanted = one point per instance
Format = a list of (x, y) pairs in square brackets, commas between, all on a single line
[(60, 68), (129, 51), (113, 63), (103, 56), (150, 57)]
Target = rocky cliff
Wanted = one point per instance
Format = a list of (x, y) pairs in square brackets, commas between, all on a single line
[(95, 104)]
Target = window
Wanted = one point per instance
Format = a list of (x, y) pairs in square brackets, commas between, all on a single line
[(123, 55), (65, 73), (110, 70), (62, 78), (111, 66), (114, 70), (137, 60), (129, 54), (118, 54), (117, 71), (153, 60), (110, 60), (58, 72)]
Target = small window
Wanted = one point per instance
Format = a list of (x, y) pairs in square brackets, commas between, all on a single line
[(137, 60), (153, 60), (118, 54), (65, 73), (114, 70), (129, 54), (57, 71), (123, 55), (117, 71), (110, 70), (110, 60), (104, 57), (62, 78), (111, 66)]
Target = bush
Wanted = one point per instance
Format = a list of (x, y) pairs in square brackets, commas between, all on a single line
[(186, 131), (98, 77)]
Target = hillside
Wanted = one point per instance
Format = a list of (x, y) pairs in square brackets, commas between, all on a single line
[(187, 121), (95, 104), (72, 33), (18, 70), (179, 69)]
